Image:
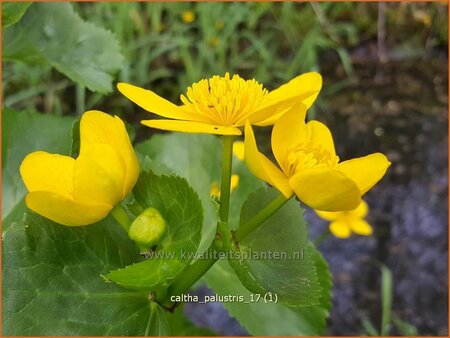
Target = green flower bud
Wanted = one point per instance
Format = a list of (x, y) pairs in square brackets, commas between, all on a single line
[(148, 228)]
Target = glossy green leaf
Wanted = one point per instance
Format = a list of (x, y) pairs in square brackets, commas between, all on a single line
[(158, 322), (52, 33), (23, 133), (52, 281), (13, 12), (181, 208), (270, 319), (275, 255)]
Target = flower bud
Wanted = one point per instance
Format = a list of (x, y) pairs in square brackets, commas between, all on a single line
[(148, 228)]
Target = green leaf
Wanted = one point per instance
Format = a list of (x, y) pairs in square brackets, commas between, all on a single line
[(52, 33), (275, 255), (158, 323), (180, 206), (23, 133), (13, 12), (386, 298), (324, 275), (270, 319), (404, 328), (52, 283), (197, 157), (194, 157)]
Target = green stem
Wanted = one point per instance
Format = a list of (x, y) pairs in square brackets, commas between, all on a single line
[(121, 217), (201, 266), (80, 99), (260, 217), (322, 237), (196, 270), (227, 157)]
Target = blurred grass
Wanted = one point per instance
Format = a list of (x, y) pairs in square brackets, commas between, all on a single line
[(271, 42), (388, 320)]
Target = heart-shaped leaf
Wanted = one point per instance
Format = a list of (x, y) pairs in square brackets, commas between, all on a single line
[(275, 255), (180, 206)]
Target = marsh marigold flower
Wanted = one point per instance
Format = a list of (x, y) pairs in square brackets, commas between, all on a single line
[(221, 105), (344, 223), (82, 191), (309, 165)]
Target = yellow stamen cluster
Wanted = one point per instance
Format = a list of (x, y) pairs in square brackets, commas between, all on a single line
[(308, 155), (224, 100)]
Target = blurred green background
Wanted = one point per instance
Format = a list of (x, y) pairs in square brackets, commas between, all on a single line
[(385, 69), (168, 46)]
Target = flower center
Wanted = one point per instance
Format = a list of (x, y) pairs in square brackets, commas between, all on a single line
[(224, 100), (309, 155)]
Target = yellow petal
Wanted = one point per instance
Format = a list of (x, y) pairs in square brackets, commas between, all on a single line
[(99, 174), (329, 215), (268, 115), (238, 150), (319, 134), (325, 189), (65, 211), (97, 127), (152, 102), (191, 127), (365, 171), (361, 211), (42, 171), (287, 132), (340, 229), (361, 227), (262, 167), (304, 88)]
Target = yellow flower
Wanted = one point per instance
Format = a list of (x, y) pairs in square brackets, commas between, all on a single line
[(221, 105), (215, 190), (188, 16), (238, 150), (82, 191), (343, 223), (309, 165)]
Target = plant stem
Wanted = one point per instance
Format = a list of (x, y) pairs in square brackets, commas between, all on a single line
[(80, 99), (196, 270), (121, 217), (322, 237), (260, 217), (227, 157), (201, 266)]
